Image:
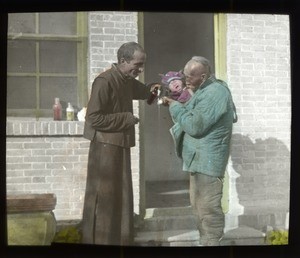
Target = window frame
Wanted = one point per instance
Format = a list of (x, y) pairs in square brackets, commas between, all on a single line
[(81, 38)]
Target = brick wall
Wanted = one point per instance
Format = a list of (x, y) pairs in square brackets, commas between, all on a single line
[(48, 157), (258, 68), (107, 32)]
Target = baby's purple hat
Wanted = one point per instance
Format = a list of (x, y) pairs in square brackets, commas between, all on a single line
[(170, 76)]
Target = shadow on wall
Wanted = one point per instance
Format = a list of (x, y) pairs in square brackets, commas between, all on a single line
[(264, 169)]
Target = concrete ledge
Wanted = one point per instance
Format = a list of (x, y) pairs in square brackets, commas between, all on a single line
[(44, 127)]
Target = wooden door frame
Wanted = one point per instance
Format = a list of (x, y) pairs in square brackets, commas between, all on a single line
[(220, 43), (220, 40)]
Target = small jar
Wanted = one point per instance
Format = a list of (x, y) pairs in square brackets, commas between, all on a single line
[(153, 96)]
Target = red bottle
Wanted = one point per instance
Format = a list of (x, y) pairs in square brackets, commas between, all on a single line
[(153, 96), (57, 110)]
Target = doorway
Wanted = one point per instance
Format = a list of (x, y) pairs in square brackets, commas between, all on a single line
[(170, 40)]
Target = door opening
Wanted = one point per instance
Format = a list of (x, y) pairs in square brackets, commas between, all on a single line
[(170, 40)]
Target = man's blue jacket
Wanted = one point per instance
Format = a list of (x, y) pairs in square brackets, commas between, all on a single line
[(203, 128)]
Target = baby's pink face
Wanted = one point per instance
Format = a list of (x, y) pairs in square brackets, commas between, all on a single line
[(176, 86)]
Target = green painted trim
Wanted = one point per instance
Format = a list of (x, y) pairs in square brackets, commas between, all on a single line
[(220, 34), (44, 37), (225, 197), (42, 74), (37, 80), (142, 183), (82, 50), (141, 39), (220, 31)]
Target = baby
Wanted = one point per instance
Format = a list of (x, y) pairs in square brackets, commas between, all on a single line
[(175, 83)]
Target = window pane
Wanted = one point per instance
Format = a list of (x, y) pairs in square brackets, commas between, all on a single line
[(21, 22), (58, 57), (20, 56), (63, 88), (58, 23), (21, 92)]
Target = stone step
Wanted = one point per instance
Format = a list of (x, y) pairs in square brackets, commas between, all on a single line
[(168, 211), (243, 236), (168, 238), (239, 236), (165, 219), (165, 223), (260, 218), (177, 227)]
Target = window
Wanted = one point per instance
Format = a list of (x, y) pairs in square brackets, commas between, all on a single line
[(47, 58)]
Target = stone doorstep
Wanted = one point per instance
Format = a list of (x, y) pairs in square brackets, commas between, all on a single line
[(174, 227), (165, 219), (243, 236), (168, 238), (165, 223), (262, 218), (239, 236), (178, 211)]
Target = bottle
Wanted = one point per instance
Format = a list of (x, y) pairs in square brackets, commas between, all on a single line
[(57, 110), (153, 96), (70, 112)]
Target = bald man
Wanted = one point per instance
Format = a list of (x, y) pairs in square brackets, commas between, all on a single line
[(202, 134)]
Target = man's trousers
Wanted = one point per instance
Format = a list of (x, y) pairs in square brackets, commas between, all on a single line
[(205, 195)]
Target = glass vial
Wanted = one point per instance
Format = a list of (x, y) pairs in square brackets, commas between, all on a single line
[(57, 110), (70, 112), (153, 96)]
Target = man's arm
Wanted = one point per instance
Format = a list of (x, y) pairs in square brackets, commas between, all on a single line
[(142, 91), (98, 115), (209, 109)]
